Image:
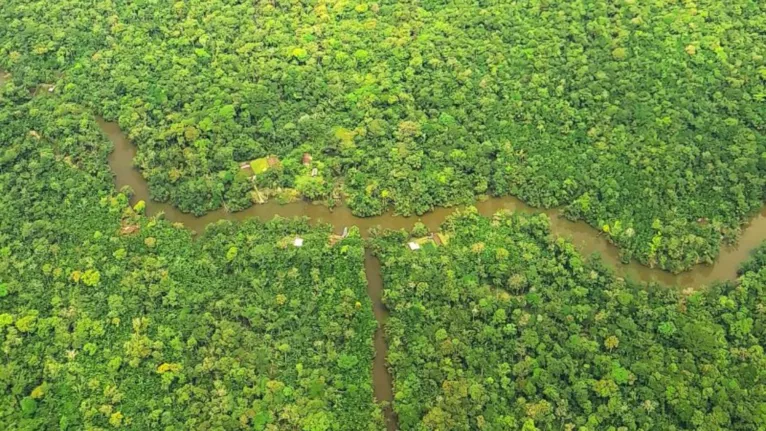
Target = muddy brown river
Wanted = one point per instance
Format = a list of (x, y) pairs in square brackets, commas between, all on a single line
[(586, 239)]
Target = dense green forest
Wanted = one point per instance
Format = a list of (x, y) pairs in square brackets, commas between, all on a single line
[(508, 328), (111, 320), (645, 119)]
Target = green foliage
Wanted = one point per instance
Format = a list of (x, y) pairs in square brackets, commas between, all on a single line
[(28, 406), (260, 165), (312, 187), (570, 347), (624, 112)]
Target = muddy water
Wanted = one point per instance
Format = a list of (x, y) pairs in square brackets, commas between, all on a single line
[(586, 239), (381, 378)]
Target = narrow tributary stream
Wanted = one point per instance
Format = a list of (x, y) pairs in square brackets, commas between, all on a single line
[(586, 239), (381, 377)]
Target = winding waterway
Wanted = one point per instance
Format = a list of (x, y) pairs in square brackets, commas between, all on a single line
[(586, 239)]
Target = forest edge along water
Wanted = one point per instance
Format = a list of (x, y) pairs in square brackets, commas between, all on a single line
[(585, 238)]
